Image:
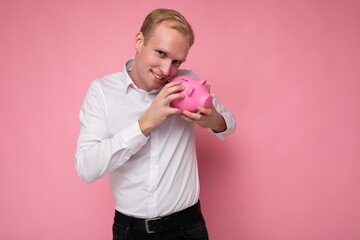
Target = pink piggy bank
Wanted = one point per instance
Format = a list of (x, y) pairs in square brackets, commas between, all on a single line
[(196, 94)]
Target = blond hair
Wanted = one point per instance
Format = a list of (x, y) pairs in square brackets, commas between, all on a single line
[(175, 19)]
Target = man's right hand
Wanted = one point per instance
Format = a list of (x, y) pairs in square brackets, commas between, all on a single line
[(160, 108)]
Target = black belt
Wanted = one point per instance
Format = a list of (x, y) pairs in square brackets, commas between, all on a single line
[(161, 224)]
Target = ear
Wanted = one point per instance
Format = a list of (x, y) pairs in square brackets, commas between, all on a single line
[(139, 41)]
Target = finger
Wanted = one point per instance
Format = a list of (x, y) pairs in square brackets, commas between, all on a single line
[(208, 86), (204, 111), (172, 89), (174, 111), (191, 115), (171, 84), (186, 118)]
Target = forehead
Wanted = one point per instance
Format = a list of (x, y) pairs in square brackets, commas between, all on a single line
[(169, 40)]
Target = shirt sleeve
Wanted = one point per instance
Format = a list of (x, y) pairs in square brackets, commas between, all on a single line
[(229, 119), (97, 152)]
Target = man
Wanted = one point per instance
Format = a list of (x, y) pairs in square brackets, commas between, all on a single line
[(130, 131)]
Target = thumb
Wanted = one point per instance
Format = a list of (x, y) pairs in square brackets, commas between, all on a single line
[(208, 86)]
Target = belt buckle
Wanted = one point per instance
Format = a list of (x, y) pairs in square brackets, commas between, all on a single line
[(147, 227)]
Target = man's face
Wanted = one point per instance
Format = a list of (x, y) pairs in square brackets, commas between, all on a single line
[(160, 58)]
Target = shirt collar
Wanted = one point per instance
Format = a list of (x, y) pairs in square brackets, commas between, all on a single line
[(127, 79), (128, 82)]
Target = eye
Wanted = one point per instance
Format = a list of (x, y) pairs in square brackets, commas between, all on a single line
[(161, 53), (177, 62)]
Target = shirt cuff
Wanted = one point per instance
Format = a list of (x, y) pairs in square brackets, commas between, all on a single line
[(230, 127)]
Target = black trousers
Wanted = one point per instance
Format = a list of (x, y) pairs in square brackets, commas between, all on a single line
[(186, 224)]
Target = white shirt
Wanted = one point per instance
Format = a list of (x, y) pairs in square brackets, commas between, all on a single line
[(149, 176)]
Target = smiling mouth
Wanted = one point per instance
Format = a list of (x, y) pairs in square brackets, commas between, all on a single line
[(157, 76)]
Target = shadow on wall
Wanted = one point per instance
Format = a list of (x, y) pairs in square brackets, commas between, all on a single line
[(221, 179), (216, 158)]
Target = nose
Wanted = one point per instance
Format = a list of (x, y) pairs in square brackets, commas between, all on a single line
[(166, 67)]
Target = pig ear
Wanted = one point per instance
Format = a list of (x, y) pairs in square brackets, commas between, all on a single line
[(190, 91), (203, 82)]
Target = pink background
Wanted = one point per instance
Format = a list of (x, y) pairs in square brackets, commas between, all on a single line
[(289, 70)]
